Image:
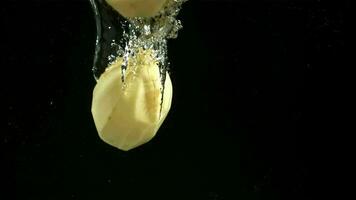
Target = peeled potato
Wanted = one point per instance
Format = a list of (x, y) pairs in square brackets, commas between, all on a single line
[(137, 8), (128, 114)]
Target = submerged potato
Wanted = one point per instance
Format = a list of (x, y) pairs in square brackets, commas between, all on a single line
[(137, 8), (127, 114)]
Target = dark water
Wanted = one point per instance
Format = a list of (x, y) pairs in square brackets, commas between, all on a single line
[(253, 84)]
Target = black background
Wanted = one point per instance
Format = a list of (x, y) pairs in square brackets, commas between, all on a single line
[(253, 83)]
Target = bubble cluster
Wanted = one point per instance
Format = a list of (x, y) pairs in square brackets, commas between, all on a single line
[(118, 36)]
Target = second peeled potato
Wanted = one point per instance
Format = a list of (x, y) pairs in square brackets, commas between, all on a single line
[(137, 8)]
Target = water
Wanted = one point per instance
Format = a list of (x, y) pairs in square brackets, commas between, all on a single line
[(120, 37)]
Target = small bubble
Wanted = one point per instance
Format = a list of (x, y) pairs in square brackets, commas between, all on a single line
[(147, 29)]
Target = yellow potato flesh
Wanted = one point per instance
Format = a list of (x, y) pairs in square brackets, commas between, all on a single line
[(128, 114), (137, 8)]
